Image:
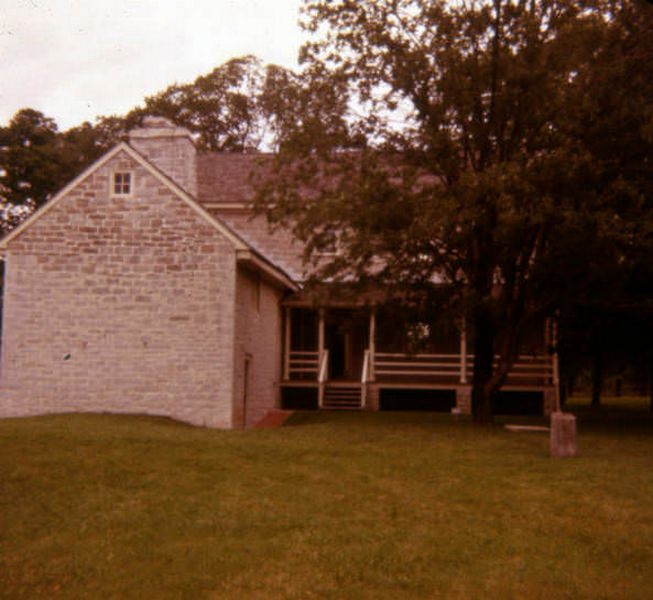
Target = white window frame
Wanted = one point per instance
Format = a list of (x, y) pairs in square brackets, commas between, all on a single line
[(112, 183)]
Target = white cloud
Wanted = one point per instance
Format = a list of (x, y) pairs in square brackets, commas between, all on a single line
[(77, 59)]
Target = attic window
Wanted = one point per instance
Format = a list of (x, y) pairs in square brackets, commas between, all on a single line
[(122, 183), (329, 248), (329, 252)]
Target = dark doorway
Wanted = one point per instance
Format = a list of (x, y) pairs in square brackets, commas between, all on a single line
[(346, 338), (336, 342)]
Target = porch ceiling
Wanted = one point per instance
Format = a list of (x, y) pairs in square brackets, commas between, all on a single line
[(323, 298)]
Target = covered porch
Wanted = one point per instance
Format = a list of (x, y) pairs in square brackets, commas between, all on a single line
[(358, 357)]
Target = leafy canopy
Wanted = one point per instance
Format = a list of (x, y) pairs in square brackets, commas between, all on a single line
[(452, 142)]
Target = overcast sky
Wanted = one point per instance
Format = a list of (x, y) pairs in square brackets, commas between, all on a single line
[(78, 59)]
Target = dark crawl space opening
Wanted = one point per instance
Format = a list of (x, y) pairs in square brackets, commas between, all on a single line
[(427, 400), (299, 398), (519, 403)]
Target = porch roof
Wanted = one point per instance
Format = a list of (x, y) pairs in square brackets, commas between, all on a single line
[(324, 297)]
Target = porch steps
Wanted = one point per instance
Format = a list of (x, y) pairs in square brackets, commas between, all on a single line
[(342, 396)]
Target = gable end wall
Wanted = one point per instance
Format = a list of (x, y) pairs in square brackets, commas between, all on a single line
[(120, 304)]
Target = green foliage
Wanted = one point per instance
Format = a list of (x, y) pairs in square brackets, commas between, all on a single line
[(225, 109), (36, 160), (455, 147), (221, 107), (614, 120)]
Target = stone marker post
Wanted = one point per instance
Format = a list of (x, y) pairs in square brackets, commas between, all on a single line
[(563, 434)]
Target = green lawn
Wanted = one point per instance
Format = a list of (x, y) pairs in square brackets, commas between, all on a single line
[(332, 505)]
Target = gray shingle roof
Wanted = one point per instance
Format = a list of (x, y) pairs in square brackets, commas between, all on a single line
[(225, 179)]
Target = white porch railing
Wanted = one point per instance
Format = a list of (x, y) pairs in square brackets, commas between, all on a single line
[(323, 373), (365, 374), (529, 367), (457, 366), (395, 363), (387, 365), (303, 362)]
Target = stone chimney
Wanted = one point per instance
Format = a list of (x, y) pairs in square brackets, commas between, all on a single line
[(169, 148)]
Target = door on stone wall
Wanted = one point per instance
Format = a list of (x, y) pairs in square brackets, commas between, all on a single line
[(246, 369)]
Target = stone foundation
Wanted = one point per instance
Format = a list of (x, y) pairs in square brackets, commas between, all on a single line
[(372, 398), (464, 400)]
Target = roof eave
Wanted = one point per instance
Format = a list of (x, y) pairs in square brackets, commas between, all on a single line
[(251, 259)]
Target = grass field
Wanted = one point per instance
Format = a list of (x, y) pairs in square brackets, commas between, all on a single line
[(333, 505)]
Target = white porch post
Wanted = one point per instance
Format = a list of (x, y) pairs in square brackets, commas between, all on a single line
[(286, 353), (463, 352), (372, 342), (320, 355), (548, 326), (320, 334)]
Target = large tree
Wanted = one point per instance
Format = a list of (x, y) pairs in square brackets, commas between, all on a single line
[(36, 160), (222, 108), (613, 118), (440, 143)]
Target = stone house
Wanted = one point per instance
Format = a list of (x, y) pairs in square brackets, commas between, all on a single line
[(147, 286)]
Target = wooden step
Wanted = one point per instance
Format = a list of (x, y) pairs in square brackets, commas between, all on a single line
[(342, 397)]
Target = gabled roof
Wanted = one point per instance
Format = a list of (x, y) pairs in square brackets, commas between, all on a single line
[(278, 245), (225, 183), (245, 252), (225, 178), (226, 188)]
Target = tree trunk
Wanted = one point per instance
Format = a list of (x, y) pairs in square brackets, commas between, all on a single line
[(597, 373), (563, 387), (571, 385), (482, 394)]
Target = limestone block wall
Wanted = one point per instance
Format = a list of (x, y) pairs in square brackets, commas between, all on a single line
[(258, 343), (120, 304), (170, 149)]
